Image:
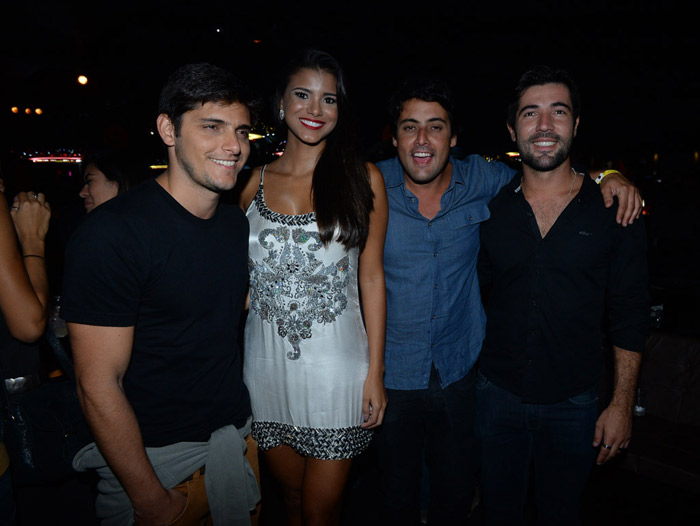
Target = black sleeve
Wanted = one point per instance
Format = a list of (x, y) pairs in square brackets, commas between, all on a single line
[(104, 269), (628, 302)]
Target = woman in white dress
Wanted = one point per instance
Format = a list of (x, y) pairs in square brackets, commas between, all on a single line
[(314, 340)]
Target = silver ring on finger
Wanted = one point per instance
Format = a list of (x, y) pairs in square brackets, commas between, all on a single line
[(606, 446)]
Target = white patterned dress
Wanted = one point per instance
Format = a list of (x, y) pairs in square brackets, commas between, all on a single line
[(306, 355)]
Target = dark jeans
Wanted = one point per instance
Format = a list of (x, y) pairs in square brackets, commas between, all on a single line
[(514, 437), (437, 423), (7, 503)]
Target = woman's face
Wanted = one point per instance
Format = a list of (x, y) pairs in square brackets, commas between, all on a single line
[(310, 104), (97, 189)]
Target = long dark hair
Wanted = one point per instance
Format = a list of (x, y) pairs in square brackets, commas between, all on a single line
[(342, 194)]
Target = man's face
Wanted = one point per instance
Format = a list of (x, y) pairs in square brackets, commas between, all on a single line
[(423, 140), (544, 126), (212, 146)]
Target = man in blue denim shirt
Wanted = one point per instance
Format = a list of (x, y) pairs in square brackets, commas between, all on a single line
[(435, 318)]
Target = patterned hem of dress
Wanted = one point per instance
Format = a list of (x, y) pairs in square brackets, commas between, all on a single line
[(323, 444)]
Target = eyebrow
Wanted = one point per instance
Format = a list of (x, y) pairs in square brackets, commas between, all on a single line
[(432, 119), (221, 121), (307, 90), (553, 105)]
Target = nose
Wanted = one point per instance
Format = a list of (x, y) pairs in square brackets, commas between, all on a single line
[(314, 108), (84, 191), (232, 143), (422, 136), (544, 122)]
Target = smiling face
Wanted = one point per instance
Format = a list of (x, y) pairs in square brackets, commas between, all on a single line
[(544, 126), (97, 189), (212, 146), (310, 104), (423, 140)]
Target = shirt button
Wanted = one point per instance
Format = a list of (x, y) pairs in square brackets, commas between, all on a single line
[(436, 286), (534, 303), (434, 254), (430, 223)]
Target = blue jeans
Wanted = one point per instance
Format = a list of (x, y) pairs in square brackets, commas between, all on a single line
[(515, 437), (436, 424)]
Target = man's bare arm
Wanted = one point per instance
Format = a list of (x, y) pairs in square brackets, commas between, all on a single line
[(101, 356), (614, 426)]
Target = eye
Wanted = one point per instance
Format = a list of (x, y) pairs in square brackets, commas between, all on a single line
[(330, 100), (244, 133), (301, 95)]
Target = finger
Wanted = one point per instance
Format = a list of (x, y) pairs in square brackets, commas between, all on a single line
[(622, 206), (608, 198), (604, 453), (597, 434)]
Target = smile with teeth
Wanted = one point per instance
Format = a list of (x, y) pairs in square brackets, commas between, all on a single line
[(228, 164), (545, 143), (314, 125), (422, 156)]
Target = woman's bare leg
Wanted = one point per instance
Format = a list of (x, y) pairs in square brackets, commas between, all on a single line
[(312, 488)]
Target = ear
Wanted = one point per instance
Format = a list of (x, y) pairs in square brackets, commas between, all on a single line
[(576, 126), (453, 141), (393, 141), (512, 132), (166, 130)]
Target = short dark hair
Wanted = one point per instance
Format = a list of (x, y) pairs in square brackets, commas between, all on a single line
[(425, 89), (539, 76), (196, 84), (119, 167)]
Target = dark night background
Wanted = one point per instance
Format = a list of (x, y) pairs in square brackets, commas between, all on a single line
[(635, 62)]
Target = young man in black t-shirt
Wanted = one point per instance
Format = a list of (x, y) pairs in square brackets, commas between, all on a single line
[(154, 286)]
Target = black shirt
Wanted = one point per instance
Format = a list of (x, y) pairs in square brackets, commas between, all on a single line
[(547, 297), (142, 260)]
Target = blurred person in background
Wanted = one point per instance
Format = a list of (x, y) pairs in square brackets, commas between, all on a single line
[(107, 174)]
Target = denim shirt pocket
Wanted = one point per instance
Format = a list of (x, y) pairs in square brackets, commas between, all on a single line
[(470, 215)]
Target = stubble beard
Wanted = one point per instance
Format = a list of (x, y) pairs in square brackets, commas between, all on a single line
[(547, 162), (200, 179)]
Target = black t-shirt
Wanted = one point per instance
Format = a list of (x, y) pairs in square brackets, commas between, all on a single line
[(143, 260)]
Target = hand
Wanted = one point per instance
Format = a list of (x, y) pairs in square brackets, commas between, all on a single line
[(31, 214), (166, 511), (629, 200), (613, 429), (373, 402)]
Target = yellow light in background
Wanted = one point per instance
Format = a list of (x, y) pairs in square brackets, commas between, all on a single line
[(28, 111), (82, 80), (696, 156), (254, 136), (656, 157), (38, 111), (14, 109)]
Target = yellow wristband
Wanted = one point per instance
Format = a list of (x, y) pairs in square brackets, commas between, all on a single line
[(602, 175)]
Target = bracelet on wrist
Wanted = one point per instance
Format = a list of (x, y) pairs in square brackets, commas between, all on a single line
[(602, 175), (34, 256)]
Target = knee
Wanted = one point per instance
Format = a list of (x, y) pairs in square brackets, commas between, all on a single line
[(292, 499)]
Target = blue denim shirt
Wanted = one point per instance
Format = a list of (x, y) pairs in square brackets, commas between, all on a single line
[(434, 310)]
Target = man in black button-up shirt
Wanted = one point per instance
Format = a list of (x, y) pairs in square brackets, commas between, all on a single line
[(555, 262)]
